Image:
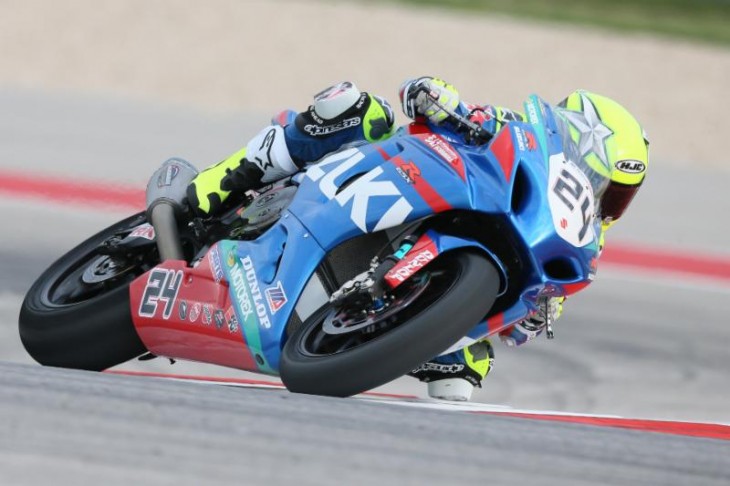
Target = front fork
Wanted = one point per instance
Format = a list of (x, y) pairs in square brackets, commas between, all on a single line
[(372, 287)]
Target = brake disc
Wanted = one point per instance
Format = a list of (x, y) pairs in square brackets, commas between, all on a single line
[(102, 269)]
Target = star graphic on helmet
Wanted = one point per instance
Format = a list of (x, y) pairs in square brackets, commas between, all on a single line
[(593, 133)]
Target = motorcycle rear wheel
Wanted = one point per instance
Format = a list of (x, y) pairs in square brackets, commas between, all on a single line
[(464, 286), (67, 323)]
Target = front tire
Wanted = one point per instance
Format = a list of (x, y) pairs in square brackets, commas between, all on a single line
[(434, 322), (66, 323)]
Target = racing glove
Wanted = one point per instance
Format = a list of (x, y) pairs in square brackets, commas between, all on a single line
[(416, 101), (530, 328)]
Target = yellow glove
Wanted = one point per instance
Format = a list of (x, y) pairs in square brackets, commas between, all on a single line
[(417, 97)]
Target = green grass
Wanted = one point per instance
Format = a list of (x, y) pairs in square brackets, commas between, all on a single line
[(705, 20)]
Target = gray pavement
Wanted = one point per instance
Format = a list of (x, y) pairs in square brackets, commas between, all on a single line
[(87, 428)]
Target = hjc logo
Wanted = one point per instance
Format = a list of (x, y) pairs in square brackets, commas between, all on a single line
[(361, 191), (630, 166)]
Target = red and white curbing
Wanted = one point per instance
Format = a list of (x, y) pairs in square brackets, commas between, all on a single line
[(691, 429)]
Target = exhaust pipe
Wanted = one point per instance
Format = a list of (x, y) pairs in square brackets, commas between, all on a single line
[(166, 191)]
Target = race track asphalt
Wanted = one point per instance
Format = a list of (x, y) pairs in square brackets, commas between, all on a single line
[(100, 429), (634, 344)]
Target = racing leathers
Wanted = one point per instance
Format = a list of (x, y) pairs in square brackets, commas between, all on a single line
[(342, 116)]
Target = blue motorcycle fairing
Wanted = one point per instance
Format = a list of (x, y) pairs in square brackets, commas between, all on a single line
[(276, 267), (373, 187)]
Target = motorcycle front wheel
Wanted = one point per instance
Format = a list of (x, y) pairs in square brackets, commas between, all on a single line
[(430, 312)]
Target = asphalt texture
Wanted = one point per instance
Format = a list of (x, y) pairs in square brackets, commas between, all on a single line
[(150, 431), (637, 345)]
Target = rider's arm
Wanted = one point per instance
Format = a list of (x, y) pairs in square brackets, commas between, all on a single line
[(417, 99)]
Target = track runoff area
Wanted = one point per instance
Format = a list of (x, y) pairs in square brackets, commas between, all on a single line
[(638, 260)]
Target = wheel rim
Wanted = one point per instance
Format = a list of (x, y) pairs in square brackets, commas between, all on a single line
[(91, 274), (415, 295)]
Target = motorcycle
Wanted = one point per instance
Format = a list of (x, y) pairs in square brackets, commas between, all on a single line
[(343, 277)]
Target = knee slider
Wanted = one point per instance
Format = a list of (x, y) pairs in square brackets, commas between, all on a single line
[(336, 100), (345, 101)]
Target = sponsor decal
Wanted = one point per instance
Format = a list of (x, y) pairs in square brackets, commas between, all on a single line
[(520, 137), (219, 318), (531, 142), (231, 320), (183, 310), (440, 144), (162, 285), (322, 130), (403, 174), (360, 192), (231, 258), (195, 311), (410, 265), (240, 291), (214, 261), (276, 297), (253, 285), (245, 281), (442, 148), (207, 314), (409, 171), (532, 114), (631, 166), (145, 231), (165, 179), (525, 139), (441, 368)]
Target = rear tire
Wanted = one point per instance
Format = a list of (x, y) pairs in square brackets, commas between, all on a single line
[(91, 334), (438, 323)]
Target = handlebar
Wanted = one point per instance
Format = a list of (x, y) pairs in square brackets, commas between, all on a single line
[(475, 133)]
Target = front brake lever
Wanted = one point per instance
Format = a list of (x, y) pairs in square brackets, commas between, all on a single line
[(549, 333)]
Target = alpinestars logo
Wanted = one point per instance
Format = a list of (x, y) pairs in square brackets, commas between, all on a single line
[(322, 130), (276, 297)]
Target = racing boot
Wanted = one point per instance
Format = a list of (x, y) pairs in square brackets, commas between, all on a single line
[(264, 160), (453, 376)]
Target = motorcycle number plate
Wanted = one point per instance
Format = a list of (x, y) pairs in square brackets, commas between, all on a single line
[(571, 201)]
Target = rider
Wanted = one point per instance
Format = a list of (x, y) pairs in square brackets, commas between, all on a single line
[(607, 136)]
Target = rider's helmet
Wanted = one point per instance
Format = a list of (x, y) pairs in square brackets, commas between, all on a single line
[(612, 143)]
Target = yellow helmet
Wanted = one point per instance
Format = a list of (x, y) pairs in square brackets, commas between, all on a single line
[(612, 143)]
